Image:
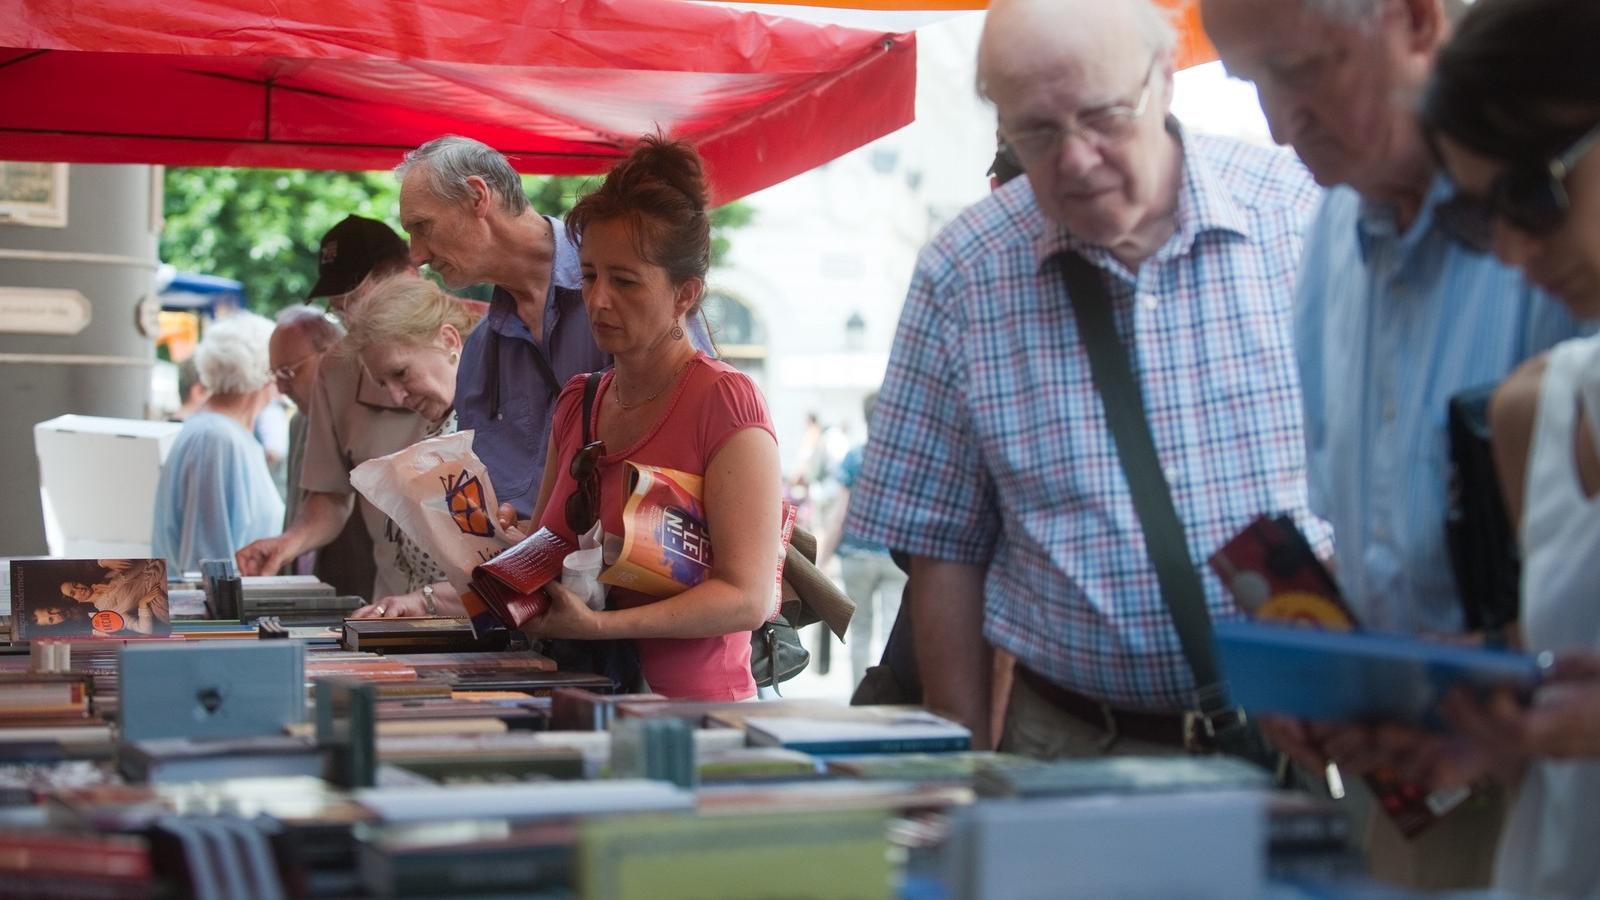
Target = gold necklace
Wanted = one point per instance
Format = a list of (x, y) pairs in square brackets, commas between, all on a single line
[(616, 389)]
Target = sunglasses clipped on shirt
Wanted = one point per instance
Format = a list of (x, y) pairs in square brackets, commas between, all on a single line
[(1531, 198), (583, 504)]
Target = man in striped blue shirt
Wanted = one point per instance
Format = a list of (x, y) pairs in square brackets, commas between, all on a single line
[(990, 461), (1392, 318)]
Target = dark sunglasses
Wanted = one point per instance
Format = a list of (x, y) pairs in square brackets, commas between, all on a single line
[(583, 504), (1531, 198)]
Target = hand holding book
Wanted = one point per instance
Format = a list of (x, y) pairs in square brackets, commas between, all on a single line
[(1565, 718), (508, 590), (1498, 733), (1326, 693)]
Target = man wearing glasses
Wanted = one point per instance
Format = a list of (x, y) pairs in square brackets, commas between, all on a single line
[(1394, 316), (303, 336), (991, 461)]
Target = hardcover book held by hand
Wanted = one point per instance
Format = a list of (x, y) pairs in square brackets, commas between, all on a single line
[(508, 591)]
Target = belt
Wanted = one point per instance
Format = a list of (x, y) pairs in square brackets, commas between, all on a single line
[(1183, 729)]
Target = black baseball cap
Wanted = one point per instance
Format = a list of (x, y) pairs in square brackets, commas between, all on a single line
[(352, 249), (1005, 165)]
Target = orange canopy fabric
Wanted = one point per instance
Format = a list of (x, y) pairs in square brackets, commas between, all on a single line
[(561, 86), (1194, 47)]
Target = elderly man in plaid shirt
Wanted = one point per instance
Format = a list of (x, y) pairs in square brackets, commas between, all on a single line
[(990, 462)]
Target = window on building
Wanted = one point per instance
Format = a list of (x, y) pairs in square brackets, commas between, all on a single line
[(739, 332)]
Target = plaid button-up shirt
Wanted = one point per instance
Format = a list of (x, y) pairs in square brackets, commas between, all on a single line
[(989, 445)]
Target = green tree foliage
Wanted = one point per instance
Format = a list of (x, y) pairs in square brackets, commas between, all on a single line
[(262, 226)]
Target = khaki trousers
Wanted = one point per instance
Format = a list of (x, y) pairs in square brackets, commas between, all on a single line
[(1034, 727)]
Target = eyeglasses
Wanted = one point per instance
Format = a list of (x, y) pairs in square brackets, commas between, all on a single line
[(1101, 127), (286, 372), (1531, 198), (583, 505)]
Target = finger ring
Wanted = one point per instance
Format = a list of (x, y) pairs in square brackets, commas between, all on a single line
[(380, 608)]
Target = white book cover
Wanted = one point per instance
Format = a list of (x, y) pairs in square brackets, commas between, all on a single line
[(897, 732), (523, 801)]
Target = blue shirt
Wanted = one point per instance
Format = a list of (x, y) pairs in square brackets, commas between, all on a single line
[(512, 435), (509, 414), (989, 444), (215, 494), (849, 472), (1388, 326)]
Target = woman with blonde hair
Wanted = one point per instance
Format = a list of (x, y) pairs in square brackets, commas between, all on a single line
[(408, 334)]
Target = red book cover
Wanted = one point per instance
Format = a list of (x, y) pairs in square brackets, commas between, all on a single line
[(509, 588), (785, 535)]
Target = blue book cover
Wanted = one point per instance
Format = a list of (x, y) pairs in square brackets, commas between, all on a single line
[(210, 689), (908, 732), (1332, 676)]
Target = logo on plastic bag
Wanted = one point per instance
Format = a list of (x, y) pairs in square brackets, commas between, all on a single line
[(463, 494)]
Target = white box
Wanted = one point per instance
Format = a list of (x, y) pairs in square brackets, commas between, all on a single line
[(97, 483)]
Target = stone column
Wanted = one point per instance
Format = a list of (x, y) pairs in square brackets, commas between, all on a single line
[(106, 251)]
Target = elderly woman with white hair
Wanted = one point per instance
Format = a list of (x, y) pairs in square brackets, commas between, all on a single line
[(216, 493)]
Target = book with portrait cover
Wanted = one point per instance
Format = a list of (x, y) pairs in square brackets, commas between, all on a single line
[(89, 598)]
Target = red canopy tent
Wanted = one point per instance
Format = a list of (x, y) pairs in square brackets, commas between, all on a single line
[(561, 86)]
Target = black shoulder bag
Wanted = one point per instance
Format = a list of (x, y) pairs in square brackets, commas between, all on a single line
[(1479, 532), (618, 659), (1164, 539)]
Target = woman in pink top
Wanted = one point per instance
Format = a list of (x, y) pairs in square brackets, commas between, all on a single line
[(645, 245)]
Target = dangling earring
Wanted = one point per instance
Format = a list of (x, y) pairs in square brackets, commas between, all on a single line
[(677, 331), (453, 357)]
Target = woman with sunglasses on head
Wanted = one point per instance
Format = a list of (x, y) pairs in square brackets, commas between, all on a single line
[(645, 246), (408, 334), (1513, 111)]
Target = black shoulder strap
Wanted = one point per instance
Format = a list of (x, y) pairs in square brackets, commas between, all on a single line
[(591, 383), (1123, 403)]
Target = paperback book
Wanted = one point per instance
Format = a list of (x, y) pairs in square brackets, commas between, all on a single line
[(1275, 577), (89, 598)]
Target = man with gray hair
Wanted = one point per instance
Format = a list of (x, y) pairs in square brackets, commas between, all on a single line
[(303, 336), (993, 460), (1393, 318), (463, 206)]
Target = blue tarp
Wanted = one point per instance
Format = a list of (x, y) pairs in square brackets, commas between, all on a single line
[(191, 291)]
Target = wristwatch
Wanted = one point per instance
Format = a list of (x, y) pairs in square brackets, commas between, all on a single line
[(427, 600)]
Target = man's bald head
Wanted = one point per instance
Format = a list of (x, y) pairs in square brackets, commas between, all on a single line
[(1022, 36), (1081, 89)]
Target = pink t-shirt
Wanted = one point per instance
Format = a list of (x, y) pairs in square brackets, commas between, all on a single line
[(710, 404)]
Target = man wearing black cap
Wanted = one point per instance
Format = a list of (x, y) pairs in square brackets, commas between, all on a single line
[(1005, 166), (352, 250), (351, 420)]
